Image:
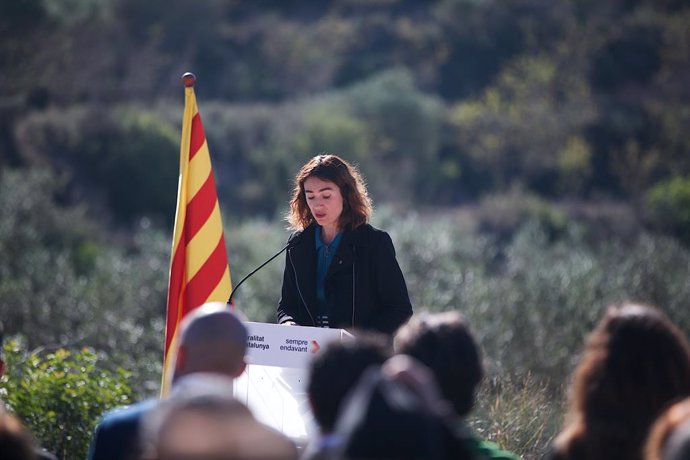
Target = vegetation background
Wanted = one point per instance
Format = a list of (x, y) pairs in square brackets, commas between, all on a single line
[(530, 159)]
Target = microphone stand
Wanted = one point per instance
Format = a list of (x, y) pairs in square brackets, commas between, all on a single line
[(256, 270)]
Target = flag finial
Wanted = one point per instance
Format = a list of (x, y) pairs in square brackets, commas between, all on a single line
[(188, 78)]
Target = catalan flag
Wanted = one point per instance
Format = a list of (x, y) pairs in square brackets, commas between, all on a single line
[(199, 271)]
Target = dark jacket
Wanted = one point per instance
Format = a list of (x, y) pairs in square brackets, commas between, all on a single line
[(364, 286), (117, 435)]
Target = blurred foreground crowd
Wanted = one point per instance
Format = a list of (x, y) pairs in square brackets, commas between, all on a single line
[(405, 398)]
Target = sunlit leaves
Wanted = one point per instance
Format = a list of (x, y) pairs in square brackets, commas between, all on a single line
[(61, 395)]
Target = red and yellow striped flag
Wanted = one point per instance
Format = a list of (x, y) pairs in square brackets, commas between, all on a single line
[(199, 271)]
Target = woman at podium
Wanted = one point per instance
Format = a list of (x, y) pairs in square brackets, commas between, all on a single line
[(340, 272)]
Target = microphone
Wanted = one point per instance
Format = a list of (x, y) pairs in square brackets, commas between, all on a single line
[(290, 244)]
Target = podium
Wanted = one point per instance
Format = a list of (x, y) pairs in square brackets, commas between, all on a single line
[(274, 384)]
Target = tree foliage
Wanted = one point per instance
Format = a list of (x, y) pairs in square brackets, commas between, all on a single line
[(63, 286), (566, 99)]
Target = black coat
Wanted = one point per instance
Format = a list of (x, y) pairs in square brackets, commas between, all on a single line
[(365, 264)]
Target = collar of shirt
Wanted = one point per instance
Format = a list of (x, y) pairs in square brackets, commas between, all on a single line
[(320, 243)]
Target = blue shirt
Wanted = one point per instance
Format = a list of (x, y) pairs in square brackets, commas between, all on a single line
[(324, 256)]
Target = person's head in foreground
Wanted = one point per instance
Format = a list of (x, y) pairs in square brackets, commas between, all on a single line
[(337, 369), (212, 340), (202, 420), (444, 343), (634, 364), (397, 412), (16, 442)]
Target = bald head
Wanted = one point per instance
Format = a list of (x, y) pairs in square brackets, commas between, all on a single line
[(212, 340), (202, 420)]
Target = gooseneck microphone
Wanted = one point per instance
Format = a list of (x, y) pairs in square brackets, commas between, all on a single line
[(290, 244)]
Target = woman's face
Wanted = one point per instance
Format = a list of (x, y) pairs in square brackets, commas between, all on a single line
[(324, 200)]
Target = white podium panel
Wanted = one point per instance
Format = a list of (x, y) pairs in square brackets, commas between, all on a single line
[(287, 346), (274, 385)]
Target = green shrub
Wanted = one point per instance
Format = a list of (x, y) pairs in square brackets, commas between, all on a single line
[(333, 131), (137, 163), (125, 158), (574, 164), (401, 119), (403, 126), (668, 204), (522, 128), (503, 214), (61, 395)]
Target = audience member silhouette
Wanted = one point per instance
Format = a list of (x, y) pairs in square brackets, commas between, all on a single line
[(16, 442), (202, 420), (669, 438), (397, 412), (334, 372), (443, 342), (212, 340), (634, 364)]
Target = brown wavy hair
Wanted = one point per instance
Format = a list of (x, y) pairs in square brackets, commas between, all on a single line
[(635, 363), (356, 201)]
